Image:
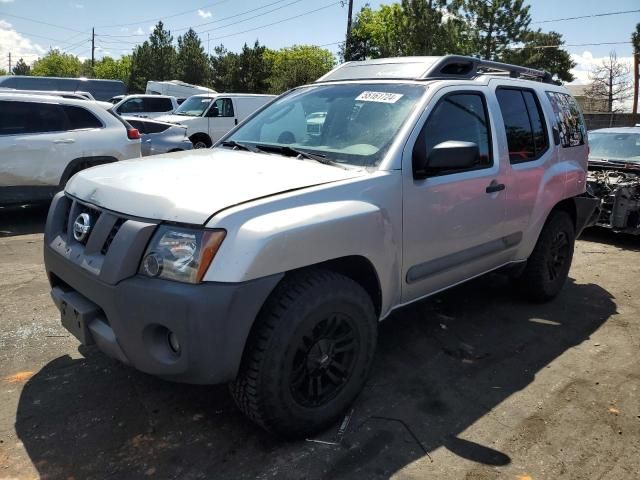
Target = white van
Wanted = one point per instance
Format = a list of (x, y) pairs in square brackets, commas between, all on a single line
[(176, 88), (209, 117)]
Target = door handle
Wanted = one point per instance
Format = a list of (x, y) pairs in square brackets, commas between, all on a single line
[(495, 187), (64, 140), (236, 121)]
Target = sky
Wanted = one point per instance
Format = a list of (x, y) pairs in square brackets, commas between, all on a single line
[(28, 28)]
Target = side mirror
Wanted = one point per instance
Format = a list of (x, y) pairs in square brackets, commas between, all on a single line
[(446, 156), (214, 111)]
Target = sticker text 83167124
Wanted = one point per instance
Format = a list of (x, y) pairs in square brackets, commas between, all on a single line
[(382, 97)]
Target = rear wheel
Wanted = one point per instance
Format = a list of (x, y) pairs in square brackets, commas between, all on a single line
[(308, 355), (548, 266)]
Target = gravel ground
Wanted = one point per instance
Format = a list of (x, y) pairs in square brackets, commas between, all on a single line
[(472, 384)]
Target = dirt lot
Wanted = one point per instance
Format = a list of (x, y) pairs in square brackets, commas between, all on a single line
[(471, 384)]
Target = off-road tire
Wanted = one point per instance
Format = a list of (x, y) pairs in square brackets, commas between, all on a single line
[(268, 388), (544, 276)]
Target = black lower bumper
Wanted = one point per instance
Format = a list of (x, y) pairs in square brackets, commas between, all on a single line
[(131, 320), (587, 211)]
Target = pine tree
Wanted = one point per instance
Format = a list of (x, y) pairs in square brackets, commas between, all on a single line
[(192, 64), (22, 68), (163, 54), (495, 25), (536, 53)]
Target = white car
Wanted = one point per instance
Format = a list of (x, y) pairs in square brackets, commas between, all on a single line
[(209, 117), (146, 106), (45, 140)]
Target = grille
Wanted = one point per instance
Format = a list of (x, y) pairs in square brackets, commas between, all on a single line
[(111, 236)]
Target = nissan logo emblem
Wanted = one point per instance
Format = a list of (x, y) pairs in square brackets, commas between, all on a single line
[(81, 226)]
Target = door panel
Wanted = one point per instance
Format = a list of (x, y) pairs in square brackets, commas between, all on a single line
[(453, 224), (225, 121)]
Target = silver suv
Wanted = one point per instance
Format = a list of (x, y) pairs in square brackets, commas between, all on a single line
[(268, 261)]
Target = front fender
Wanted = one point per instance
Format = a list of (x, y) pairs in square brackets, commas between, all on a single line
[(301, 236)]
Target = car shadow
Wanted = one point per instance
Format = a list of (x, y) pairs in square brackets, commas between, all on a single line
[(442, 364), (620, 240), (23, 219)]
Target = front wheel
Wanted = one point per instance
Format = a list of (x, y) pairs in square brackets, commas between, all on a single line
[(548, 266), (309, 354)]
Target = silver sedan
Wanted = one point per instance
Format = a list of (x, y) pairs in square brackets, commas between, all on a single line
[(160, 137)]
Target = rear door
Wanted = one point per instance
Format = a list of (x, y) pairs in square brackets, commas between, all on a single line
[(34, 144), (529, 156)]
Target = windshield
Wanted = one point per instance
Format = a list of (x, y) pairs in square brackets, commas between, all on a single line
[(347, 123), (193, 106), (615, 146)]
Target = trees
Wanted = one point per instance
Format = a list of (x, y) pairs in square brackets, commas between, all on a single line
[(192, 62), (21, 68), (57, 64), (3, 72), (247, 71), (535, 54), (610, 83), (113, 69), (494, 25), (163, 53), (297, 65)]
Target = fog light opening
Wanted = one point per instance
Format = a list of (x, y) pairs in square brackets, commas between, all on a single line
[(174, 344)]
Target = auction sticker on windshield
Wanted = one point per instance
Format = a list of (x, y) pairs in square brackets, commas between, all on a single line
[(382, 97)]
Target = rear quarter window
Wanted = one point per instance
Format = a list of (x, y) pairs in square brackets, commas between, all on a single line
[(568, 119), (81, 118), (158, 105)]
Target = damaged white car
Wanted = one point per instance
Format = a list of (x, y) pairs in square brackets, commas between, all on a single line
[(614, 177)]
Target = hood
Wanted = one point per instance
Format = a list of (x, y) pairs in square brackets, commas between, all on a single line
[(183, 119), (189, 187)]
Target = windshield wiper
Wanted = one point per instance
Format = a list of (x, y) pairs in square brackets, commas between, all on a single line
[(240, 146), (294, 152)]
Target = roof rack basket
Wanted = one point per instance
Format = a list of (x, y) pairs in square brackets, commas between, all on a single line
[(457, 66)]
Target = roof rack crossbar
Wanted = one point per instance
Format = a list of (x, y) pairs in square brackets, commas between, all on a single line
[(457, 66)]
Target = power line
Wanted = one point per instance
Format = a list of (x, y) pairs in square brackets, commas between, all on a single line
[(41, 22), (606, 14), (219, 19), (278, 22), (154, 20)]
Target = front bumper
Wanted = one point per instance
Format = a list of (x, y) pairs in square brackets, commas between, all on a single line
[(130, 318)]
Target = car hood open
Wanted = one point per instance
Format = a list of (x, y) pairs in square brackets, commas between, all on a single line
[(189, 187)]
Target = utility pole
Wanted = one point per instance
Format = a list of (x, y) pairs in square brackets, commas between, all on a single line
[(347, 46), (9, 63), (93, 47)]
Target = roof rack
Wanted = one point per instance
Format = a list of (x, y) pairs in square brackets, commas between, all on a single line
[(430, 68)]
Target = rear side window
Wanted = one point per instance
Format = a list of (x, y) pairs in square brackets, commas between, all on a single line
[(151, 127), (81, 118), (462, 117), (137, 125), (568, 121), (157, 105), (133, 105), (523, 123), (31, 117)]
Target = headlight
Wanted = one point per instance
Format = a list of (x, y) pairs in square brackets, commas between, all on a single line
[(181, 254)]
